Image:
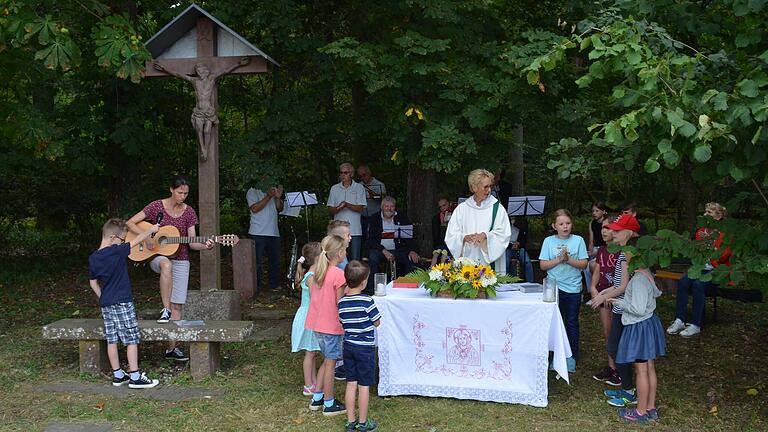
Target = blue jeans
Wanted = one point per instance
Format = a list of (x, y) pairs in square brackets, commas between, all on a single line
[(271, 247), (569, 305), (525, 259), (698, 290), (355, 245)]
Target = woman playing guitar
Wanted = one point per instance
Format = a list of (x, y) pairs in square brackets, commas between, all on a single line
[(174, 271)]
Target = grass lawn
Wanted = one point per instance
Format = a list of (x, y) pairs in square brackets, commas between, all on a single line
[(703, 382)]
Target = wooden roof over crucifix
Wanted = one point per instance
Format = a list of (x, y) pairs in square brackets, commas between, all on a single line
[(179, 40)]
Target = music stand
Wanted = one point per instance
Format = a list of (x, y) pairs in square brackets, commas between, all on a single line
[(374, 191), (531, 205), (404, 232), (301, 199)]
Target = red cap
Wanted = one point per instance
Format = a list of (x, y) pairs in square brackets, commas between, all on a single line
[(624, 222)]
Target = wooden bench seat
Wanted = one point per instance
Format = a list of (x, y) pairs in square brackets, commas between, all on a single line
[(669, 278), (204, 340)]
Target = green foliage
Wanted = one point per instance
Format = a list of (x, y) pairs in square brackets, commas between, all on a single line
[(118, 45), (745, 244), (24, 25), (705, 104)]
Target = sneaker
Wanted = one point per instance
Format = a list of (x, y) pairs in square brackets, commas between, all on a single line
[(570, 362), (614, 379), (690, 330), (335, 409), (308, 390), (614, 393), (315, 405), (631, 415), (340, 374), (165, 316), (676, 326), (143, 382), (623, 398), (368, 426), (653, 414), (604, 374), (176, 354), (117, 382), (350, 426)]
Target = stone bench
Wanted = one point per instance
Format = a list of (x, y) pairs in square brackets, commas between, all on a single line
[(204, 340)]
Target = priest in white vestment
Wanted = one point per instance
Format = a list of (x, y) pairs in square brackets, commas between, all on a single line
[(473, 231)]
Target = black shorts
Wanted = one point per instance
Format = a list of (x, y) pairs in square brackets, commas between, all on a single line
[(360, 363)]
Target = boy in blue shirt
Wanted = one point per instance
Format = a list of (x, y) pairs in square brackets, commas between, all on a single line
[(359, 316), (108, 269)]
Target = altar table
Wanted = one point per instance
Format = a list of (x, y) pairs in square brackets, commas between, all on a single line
[(490, 350)]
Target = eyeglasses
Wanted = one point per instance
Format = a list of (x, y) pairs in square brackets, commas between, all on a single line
[(122, 239)]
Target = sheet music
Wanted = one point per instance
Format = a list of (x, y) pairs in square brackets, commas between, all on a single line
[(291, 211), (531, 205), (374, 191), (404, 232), (300, 199)]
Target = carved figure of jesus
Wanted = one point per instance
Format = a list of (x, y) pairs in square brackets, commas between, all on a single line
[(204, 115)]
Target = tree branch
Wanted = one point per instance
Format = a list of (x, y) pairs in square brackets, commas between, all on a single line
[(684, 44), (760, 191), (88, 10)]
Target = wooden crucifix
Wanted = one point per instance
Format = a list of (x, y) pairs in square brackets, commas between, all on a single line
[(199, 49)]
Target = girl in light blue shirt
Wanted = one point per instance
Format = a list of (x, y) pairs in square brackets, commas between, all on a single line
[(563, 256)]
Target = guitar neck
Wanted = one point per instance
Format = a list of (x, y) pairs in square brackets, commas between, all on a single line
[(186, 240)]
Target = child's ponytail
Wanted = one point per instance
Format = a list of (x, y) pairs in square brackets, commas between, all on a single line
[(330, 247), (309, 253)]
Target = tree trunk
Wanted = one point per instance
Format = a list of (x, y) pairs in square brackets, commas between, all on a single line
[(517, 163), (689, 197), (49, 217), (422, 198)]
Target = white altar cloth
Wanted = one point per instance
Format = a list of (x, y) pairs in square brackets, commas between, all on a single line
[(489, 350)]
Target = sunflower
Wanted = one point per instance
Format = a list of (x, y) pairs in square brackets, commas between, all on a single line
[(449, 276), (476, 284), (467, 272), (441, 267), (488, 272)]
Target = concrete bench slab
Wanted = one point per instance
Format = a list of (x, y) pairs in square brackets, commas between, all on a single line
[(204, 340)]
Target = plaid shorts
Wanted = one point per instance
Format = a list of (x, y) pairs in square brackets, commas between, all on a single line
[(120, 322)]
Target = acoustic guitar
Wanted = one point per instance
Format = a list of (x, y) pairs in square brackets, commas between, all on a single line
[(167, 241)]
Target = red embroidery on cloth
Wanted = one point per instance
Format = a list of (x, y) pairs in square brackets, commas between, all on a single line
[(465, 352)]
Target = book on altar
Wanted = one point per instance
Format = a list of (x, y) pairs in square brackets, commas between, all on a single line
[(405, 282)]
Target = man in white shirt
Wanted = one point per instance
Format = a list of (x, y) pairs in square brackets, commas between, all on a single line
[(263, 230), (375, 190), (347, 201)]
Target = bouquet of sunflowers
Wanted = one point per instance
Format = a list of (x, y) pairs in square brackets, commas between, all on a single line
[(462, 278)]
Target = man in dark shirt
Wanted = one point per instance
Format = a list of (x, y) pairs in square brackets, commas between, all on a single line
[(387, 241)]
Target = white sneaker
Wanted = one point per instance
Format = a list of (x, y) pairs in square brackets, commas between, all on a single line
[(676, 326), (691, 330)]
